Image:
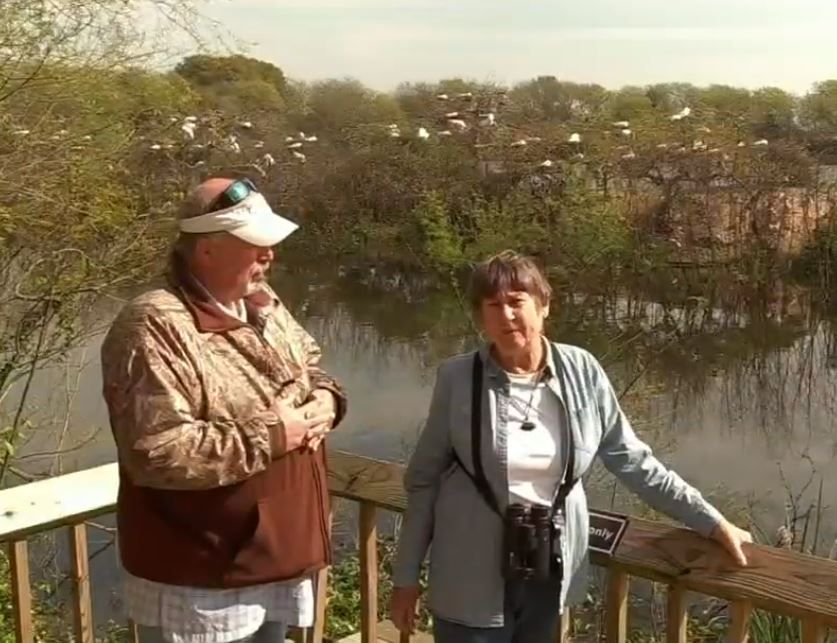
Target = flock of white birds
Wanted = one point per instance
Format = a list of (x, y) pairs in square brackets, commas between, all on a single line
[(453, 122)]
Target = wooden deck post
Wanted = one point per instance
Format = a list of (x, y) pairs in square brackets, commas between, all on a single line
[(21, 592), (565, 625), (740, 613), (368, 543), (813, 630), (676, 615), (83, 606), (616, 607)]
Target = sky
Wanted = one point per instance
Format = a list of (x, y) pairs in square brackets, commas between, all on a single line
[(749, 43)]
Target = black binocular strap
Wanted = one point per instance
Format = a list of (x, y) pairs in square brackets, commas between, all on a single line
[(478, 478)]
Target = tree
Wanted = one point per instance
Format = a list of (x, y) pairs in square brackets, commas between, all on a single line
[(210, 71), (236, 84), (818, 110), (772, 113), (338, 106), (76, 212), (548, 98), (629, 103), (726, 103)]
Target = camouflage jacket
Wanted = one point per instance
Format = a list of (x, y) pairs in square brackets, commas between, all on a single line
[(192, 391)]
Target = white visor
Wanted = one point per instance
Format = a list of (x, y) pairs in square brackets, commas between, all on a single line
[(252, 220)]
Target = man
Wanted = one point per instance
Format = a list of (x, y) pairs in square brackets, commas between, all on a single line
[(218, 407)]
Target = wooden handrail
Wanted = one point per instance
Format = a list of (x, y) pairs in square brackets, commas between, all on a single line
[(777, 580)]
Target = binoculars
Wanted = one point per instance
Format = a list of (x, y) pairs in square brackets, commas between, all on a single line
[(529, 538)]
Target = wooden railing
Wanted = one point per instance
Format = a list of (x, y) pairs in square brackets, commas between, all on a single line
[(777, 580)]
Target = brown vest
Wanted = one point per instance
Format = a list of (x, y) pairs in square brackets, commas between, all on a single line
[(271, 527)]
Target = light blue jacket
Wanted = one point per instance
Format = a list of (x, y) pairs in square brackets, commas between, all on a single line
[(444, 508)]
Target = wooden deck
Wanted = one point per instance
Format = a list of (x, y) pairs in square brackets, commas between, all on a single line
[(387, 633), (777, 580)]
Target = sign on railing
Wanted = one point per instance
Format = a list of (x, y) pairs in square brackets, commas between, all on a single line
[(606, 531)]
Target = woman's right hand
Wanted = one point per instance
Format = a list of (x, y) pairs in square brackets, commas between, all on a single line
[(402, 608)]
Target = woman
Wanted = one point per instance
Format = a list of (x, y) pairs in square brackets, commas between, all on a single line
[(518, 442)]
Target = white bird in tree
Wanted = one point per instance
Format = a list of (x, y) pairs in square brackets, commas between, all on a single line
[(269, 160), (289, 139), (188, 129), (487, 120), (299, 156), (629, 156), (458, 123), (452, 115), (546, 163), (683, 113), (626, 132), (258, 145), (465, 95), (575, 137), (442, 96), (22, 132), (445, 132), (311, 139), (191, 119), (423, 134), (155, 147), (246, 124), (761, 142), (519, 143), (622, 124), (294, 146)]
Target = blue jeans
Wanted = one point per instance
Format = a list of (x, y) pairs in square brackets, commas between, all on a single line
[(531, 616), (269, 632)]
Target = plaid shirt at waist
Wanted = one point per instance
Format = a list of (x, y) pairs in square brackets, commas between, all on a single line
[(195, 615)]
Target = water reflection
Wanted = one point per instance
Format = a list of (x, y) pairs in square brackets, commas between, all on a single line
[(731, 386), (734, 388)]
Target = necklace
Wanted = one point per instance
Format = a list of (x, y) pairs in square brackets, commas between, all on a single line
[(527, 424)]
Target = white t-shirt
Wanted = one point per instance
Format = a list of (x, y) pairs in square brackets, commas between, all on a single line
[(534, 457)]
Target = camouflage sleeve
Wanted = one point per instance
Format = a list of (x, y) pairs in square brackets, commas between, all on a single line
[(318, 377), (154, 397)]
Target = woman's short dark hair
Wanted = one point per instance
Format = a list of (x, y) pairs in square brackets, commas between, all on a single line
[(508, 271)]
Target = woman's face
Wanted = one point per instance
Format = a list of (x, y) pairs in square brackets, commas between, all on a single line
[(513, 320)]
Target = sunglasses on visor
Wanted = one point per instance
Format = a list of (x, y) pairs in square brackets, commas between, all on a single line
[(233, 195)]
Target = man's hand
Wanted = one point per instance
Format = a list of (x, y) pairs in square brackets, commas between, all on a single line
[(321, 402), (297, 424), (402, 608), (731, 538)]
